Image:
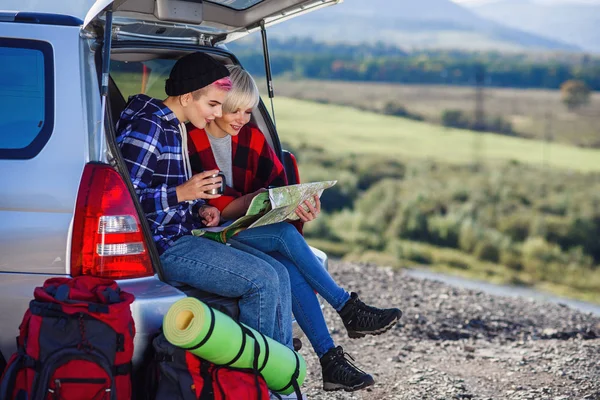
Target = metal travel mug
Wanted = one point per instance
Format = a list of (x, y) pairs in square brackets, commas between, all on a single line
[(220, 190)]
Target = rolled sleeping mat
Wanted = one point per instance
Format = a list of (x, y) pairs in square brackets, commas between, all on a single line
[(214, 336)]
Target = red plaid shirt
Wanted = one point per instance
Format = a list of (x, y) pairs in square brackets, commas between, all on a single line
[(255, 165)]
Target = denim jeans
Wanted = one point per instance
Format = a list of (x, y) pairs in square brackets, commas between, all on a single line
[(261, 282), (283, 242)]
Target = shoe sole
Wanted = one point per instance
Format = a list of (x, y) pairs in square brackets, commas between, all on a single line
[(362, 334), (332, 387)]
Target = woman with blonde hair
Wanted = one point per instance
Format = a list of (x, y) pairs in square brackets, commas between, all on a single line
[(241, 152)]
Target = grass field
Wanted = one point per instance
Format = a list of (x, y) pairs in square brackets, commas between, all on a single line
[(345, 130), (533, 113)]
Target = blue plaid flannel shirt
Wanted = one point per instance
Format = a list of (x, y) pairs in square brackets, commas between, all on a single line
[(150, 141)]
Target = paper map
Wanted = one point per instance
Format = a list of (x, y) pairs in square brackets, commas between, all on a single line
[(276, 205)]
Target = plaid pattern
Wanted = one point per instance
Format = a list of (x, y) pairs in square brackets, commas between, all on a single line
[(254, 163), (150, 141)]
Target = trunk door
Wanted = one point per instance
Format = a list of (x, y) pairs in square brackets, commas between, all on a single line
[(196, 21)]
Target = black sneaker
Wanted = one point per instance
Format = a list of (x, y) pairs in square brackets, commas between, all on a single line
[(361, 320), (340, 373), (297, 344)]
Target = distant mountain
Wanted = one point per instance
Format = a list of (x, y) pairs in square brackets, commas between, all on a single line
[(413, 24), (573, 23)]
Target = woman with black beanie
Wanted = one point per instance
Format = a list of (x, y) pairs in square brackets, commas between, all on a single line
[(153, 140)]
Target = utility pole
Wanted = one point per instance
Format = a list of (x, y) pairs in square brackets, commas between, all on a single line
[(479, 98), (479, 124), (546, 149)]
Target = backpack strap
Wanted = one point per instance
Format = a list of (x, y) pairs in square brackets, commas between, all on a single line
[(240, 351), (207, 382), (61, 294), (7, 386), (216, 379), (111, 295), (267, 352), (255, 370), (294, 379), (295, 376)]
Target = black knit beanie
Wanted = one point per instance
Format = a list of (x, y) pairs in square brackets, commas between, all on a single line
[(192, 72)]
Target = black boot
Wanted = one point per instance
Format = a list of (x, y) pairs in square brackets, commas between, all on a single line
[(297, 344), (361, 320), (340, 373)]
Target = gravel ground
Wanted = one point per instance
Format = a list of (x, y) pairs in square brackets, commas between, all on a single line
[(456, 343)]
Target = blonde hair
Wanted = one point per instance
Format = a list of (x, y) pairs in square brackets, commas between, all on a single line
[(244, 92)]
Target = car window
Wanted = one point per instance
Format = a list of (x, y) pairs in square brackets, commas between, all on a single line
[(136, 77), (26, 97), (236, 4)]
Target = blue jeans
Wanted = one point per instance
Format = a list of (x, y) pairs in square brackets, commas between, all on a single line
[(283, 242), (261, 283)]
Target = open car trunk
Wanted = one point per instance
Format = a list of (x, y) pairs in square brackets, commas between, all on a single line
[(139, 31)]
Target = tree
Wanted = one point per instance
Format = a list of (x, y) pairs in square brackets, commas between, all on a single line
[(575, 93)]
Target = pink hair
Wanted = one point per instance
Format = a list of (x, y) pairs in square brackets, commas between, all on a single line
[(223, 84)]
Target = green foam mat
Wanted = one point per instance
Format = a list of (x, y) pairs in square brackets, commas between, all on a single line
[(189, 323)]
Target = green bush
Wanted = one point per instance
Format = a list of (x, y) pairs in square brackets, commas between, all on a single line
[(462, 264), (398, 110), (395, 109), (338, 197), (498, 124), (347, 227), (487, 251), (461, 195), (585, 232), (333, 249), (379, 205), (576, 256), (374, 170), (469, 236), (444, 230), (414, 253), (368, 169), (345, 224), (515, 226), (540, 257), (511, 258), (455, 119), (459, 119), (320, 228), (410, 223), (557, 230)]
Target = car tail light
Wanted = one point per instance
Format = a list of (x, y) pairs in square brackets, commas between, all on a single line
[(107, 235), (294, 162)]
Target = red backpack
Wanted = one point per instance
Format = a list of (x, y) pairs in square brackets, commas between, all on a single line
[(177, 374), (75, 343)]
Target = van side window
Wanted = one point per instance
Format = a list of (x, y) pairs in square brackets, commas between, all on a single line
[(26, 97)]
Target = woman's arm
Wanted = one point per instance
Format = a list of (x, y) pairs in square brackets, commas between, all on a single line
[(239, 206), (140, 141)]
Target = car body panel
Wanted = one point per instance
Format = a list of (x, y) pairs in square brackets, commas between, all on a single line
[(38, 194)]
